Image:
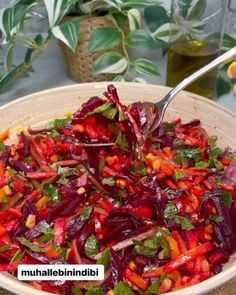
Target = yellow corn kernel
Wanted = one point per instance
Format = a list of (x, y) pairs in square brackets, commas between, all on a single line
[(30, 221), (121, 183), (68, 114), (110, 292), (81, 190), (161, 254), (209, 228), (7, 190), (156, 164), (42, 201), (2, 195), (132, 265), (7, 173), (78, 128), (150, 157), (19, 129), (4, 135), (165, 286), (149, 170), (54, 158)]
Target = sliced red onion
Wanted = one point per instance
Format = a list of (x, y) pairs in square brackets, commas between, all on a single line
[(229, 176), (128, 242)]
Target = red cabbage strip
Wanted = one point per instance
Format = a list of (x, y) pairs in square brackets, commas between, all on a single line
[(5, 155), (113, 96)]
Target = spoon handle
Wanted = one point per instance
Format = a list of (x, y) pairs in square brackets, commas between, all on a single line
[(162, 104)]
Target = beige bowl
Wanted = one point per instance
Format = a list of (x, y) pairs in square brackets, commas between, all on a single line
[(43, 106)]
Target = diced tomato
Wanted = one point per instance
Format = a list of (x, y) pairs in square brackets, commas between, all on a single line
[(106, 204), (60, 231), (143, 211)]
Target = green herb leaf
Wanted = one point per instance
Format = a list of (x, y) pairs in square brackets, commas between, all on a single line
[(227, 198), (17, 257), (122, 142), (178, 175), (91, 290), (165, 246), (91, 247), (86, 213), (108, 181), (104, 259), (184, 222), (103, 38), (170, 210), (28, 244), (4, 248), (216, 218), (51, 191), (59, 123), (182, 155), (153, 288), (147, 247), (76, 290), (123, 289)]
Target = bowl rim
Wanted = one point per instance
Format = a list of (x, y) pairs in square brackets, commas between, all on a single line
[(10, 283)]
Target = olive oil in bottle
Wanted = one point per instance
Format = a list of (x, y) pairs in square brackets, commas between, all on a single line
[(186, 57)]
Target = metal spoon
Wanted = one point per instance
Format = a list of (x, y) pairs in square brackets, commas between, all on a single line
[(164, 102)]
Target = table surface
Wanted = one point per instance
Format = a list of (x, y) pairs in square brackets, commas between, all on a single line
[(50, 72)]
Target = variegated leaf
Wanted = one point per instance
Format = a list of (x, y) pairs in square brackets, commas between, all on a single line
[(134, 18), (145, 66), (196, 9), (91, 6), (139, 3), (110, 62), (119, 78), (115, 3), (140, 80), (167, 32), (9, 57), (11, 18), (1, 21), (67, 32)]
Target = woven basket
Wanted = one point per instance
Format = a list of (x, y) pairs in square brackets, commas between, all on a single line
[(79, 64)]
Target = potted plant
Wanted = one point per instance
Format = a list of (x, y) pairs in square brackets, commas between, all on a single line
[(98, 32)]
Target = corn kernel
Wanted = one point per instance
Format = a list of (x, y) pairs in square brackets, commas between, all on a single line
[(31, 220), (121, 183), (156, 164), (150, 157), (78, 128), (209, 228), (7, 190), (19, 129), (149, 170), (68, 114), (165, 286), (7, 173), (42, 201), (81, 190), (213, 210), (132, 265), (110, 292)]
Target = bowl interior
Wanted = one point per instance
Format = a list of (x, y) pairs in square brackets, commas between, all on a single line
[(42, 107)]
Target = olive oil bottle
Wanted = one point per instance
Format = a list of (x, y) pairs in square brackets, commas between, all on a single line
[(186, 57)]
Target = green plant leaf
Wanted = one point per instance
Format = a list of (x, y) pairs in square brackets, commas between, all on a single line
[(227, 198), (155, 16), (139, 3), (14, 74), (57, 9), (85, 214), (91, 6), (67, 32), (228, 42), (184, 222), (223, 86), (196, 9), (119, 78), (76, 290), (139, 39), (110, 62), (104, 259), (108, 181), (11, 18), (39, 41), (9, 58), (145, 66), (134, 18), (166, 32), (103, 38)]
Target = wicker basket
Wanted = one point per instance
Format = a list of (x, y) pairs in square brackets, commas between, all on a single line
[(79, 64)]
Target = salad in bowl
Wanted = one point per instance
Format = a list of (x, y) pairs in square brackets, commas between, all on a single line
[(157, 209)]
